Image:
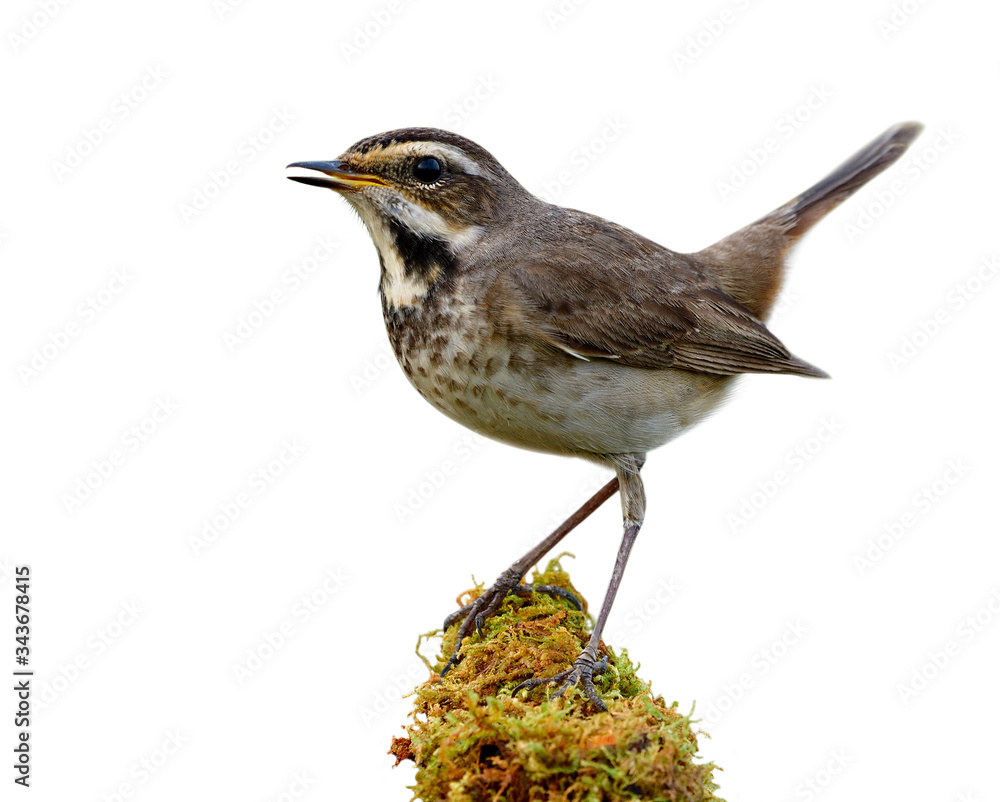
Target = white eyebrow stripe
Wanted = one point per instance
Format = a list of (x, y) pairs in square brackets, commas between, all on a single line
[(458, 158), (451, 154)]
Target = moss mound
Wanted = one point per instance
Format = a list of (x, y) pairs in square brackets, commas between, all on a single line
[(471, 741)]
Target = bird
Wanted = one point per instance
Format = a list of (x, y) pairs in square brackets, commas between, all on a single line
[(558, 331)]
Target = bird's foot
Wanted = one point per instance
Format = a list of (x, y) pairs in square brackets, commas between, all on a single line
[(582, 672), (476, 612)]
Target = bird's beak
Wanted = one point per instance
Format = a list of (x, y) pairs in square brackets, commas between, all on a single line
[(334, 174)]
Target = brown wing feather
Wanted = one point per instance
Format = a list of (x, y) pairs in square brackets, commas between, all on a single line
[(651, 313)]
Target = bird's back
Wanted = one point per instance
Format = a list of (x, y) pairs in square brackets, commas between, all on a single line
[(599, 291)]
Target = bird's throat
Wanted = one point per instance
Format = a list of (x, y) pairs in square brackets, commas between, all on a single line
[(411, 264), (413, 261)]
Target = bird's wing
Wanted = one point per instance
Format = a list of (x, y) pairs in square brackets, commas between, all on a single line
[(651, 313)]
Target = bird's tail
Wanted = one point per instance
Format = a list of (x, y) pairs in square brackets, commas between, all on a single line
[(750, 263), (799, 214)]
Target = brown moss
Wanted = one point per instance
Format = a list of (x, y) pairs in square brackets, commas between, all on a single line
[(471, 741)]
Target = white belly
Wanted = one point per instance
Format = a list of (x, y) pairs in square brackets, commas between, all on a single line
[(557, 404)]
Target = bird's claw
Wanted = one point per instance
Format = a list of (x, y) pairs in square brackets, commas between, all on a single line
[(476, 612), (581, 672)]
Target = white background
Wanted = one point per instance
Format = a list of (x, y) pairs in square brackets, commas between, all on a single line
[(596, 105)]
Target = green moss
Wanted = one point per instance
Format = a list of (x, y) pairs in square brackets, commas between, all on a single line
[(471, 741)]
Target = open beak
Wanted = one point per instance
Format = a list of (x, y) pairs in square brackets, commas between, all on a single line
[(332, 175)]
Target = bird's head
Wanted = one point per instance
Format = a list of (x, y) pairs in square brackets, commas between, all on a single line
[(424, 194)]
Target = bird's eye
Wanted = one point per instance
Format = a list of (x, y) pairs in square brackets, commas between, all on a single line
[(427, 170)]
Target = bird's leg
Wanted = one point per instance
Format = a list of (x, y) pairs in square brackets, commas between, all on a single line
[(587, 664), (474, 614)]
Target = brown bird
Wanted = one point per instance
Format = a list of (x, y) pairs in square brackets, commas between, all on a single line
[(558, 331)]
